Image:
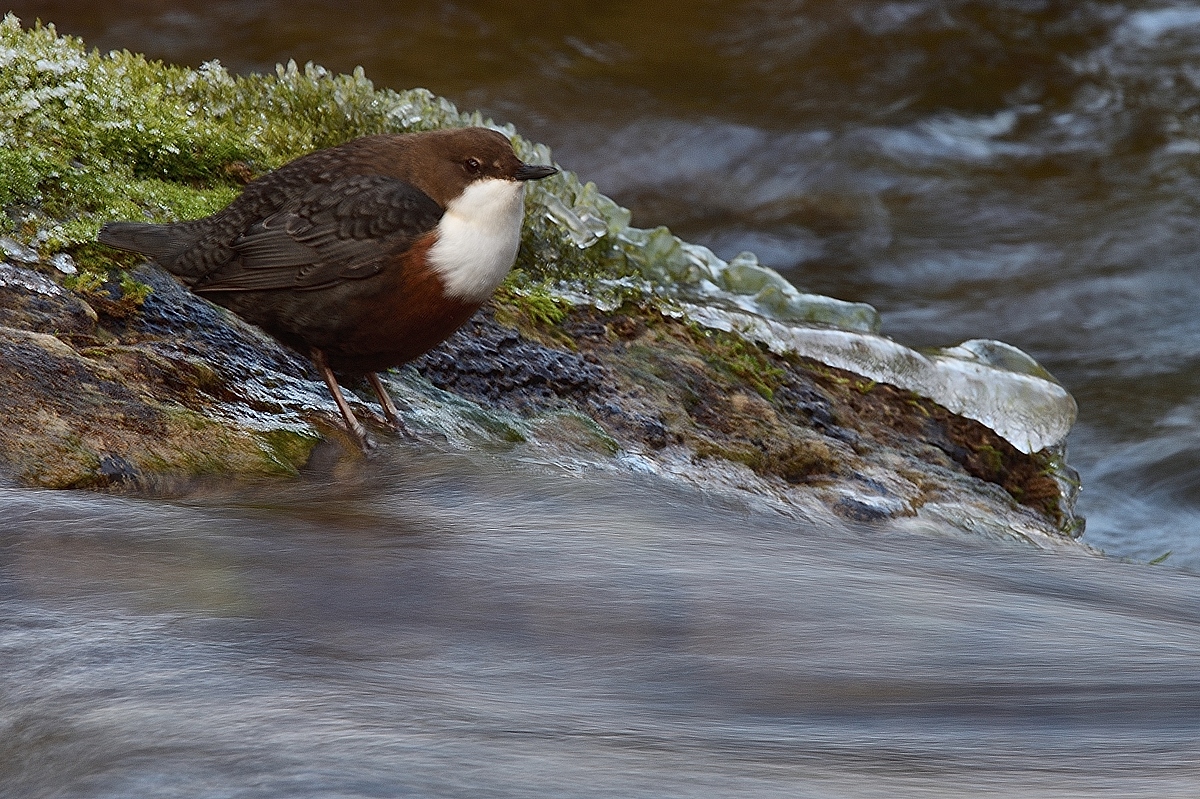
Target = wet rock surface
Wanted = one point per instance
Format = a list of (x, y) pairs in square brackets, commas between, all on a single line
[(33, 302), (872, 452), (485, 361), (135, 395), (110, 393)]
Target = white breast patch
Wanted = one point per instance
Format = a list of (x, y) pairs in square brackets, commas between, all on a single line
[(478, 237)]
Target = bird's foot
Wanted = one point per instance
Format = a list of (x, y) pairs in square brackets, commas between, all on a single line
[(355, 428), (362, 437), (391, 414)]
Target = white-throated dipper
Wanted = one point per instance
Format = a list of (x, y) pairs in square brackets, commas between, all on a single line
[(364, 255)]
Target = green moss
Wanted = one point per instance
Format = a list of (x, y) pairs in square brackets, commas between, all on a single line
[(531, 308), (992, 458), (270, 453), (85, 282), (735, 451), (919, 404), (133, 290), (576, 430), (115, 293), (287, 450), (20, 174), (796, 460), (743, 360), (533, 300)]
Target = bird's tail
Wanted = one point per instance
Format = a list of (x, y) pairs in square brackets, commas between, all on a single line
[(156, 241)]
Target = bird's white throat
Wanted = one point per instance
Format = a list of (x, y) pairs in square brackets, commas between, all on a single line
[(478, 237)]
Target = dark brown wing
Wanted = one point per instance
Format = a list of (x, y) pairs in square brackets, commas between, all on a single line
[(346, 229)]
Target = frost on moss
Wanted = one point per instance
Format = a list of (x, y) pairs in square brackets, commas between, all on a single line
[(87, 137)]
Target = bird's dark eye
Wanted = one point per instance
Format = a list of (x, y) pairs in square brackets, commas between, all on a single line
[(472, 164)]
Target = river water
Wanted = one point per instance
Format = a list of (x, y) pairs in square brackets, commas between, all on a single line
[(1012, 169), (444, 626)]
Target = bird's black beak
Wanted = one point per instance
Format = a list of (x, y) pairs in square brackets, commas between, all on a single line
[(534, 172)]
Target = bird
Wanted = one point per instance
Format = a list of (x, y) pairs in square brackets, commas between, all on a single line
[(364, 255)]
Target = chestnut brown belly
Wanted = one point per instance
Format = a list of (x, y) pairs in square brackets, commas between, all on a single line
[(383, 340), (364, 325)]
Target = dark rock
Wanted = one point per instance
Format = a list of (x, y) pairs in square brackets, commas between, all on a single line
[(859, 511), (195, 326), (97, 402), (32, 301), (654, 433), (116, 469), (486, 361)]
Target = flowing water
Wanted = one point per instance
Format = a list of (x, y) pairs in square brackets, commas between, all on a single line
[(1013, 169), (451, 627)]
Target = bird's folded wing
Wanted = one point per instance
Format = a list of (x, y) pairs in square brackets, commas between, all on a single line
[(346, 229)]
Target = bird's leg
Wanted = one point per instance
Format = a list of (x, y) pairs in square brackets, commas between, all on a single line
[(356, 428), (390, 412)]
